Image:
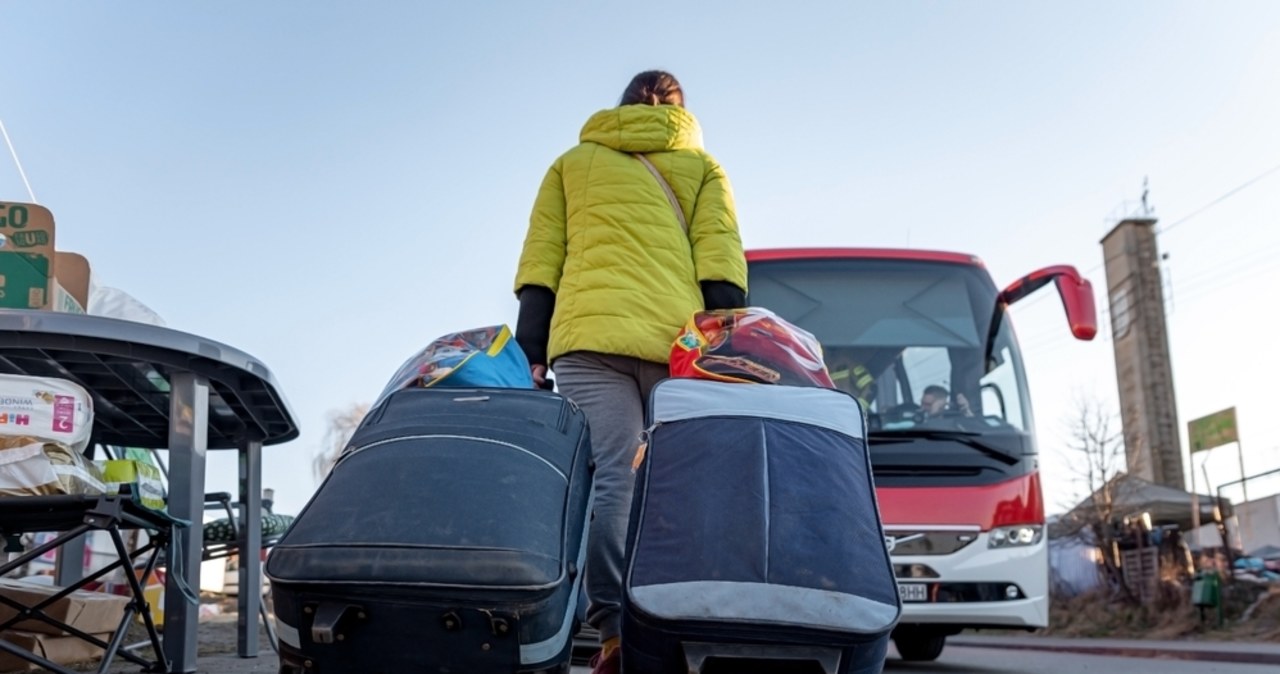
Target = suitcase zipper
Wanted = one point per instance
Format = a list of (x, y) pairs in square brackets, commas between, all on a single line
[(568, 407), (562, 423)]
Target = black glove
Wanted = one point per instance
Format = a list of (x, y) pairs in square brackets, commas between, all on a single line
[(722, 295)]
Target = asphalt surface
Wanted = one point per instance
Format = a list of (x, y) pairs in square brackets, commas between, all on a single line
[(964, 660), (955, 660), (1005, 656), (958, 660)]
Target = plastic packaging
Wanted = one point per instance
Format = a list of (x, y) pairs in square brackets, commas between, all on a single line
[(483, 357), (748, 345)]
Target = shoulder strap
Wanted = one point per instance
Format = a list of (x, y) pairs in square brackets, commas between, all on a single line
[(671, 196)]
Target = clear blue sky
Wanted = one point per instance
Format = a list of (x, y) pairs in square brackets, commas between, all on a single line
[(330, 186)]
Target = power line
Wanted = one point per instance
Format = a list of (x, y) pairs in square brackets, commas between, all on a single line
[(1205, 282), (1228, 267), (1039, 341), (1221, 199), (1191, 290), (1230, 193), (1207, 285), (14, 153), (1035, 300)]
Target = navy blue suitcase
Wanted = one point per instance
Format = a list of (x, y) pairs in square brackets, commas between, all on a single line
[(449, 537), (755, 541)]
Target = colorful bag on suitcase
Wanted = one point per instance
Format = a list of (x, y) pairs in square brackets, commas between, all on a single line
[(486, 357), (755, 534), (751, 344), (449, 537)]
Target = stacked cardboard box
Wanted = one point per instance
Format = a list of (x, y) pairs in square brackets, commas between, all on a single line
[(33, 273), (96, 613)]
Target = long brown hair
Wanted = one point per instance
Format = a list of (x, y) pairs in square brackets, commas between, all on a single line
[(653, 87)]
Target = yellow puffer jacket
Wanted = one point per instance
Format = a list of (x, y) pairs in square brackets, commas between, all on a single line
[(604, 239)]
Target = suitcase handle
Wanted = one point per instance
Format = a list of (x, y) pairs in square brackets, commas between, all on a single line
[(697, 653), (324, 627)]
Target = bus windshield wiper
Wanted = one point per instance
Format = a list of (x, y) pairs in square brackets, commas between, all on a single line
[(966, 438)]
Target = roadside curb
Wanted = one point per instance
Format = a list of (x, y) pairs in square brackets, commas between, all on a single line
[(1223, 654)]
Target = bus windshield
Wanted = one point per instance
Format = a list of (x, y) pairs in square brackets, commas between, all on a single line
[(925, 345)]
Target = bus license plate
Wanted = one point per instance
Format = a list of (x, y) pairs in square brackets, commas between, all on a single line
[(913, 591)]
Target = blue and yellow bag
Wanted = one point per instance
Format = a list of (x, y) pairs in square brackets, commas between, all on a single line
[(486, 357)]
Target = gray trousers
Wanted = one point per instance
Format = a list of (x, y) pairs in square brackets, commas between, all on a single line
[(613, 392)]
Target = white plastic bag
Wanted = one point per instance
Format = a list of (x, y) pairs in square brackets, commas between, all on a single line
[(116, 303), (46, 468)]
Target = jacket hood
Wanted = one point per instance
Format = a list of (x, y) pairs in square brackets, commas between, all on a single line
[(644, 128)]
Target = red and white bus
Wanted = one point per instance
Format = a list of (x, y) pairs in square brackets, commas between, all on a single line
[(924, 339)]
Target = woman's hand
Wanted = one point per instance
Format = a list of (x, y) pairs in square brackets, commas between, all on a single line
[(539, 373)]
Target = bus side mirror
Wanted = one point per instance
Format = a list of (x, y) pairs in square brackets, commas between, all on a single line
[(1075, 290)]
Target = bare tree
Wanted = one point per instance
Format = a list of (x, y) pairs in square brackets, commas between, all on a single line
[(341, 424), (1099, 463)]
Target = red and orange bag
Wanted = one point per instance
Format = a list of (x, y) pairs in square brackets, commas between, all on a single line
[(748, 345)]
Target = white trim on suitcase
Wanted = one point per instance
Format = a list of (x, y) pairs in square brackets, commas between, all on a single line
[(680, 399), (783, 605), (542, 651), (451, 436), (287, 634)]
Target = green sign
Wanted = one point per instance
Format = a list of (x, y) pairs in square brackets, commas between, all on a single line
[(1215, 430)]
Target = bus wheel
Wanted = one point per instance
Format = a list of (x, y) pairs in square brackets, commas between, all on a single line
[(919, 645)]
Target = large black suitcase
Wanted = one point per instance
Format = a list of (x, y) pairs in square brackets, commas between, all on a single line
[(755, 542), (449, 537)]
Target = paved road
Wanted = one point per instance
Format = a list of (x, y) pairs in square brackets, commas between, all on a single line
[(957, 660), (997, 661)]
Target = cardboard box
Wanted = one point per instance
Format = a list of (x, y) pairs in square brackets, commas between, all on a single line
[(92, 612), (71, 270), (63, 301), (154, 594), (26, 256), (60, 650)]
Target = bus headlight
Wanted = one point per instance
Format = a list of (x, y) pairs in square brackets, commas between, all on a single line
[(1012, 537)]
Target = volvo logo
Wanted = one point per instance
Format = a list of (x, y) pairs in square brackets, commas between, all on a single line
[(891, 542)]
